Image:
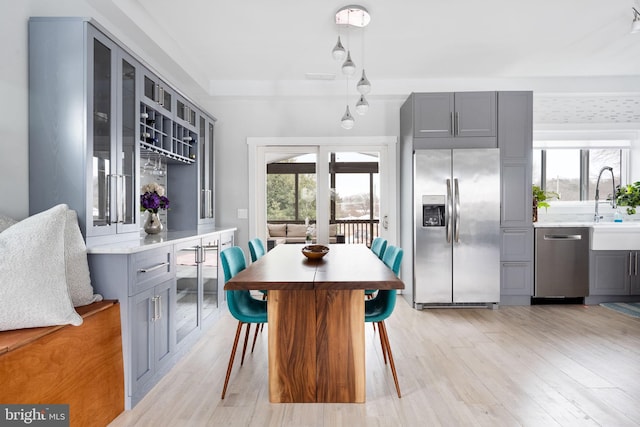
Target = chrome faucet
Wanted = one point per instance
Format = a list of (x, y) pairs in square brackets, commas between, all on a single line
[(598, 217)]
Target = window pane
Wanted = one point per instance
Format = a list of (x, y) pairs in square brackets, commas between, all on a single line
[(291, 187), (598, 158), (563, 173), (355, 195)]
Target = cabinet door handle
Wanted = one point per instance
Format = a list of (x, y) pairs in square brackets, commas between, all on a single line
[(630, 263), (122, 208), (159, 302), (154, 310), (635, 269), (156, 92), (154, 268), (456, 123), (452, 124), (161, 96)]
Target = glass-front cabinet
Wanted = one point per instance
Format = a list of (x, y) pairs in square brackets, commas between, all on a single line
[(196, 283), (157, 93), (188, 257), (206, 169), (113, 163)]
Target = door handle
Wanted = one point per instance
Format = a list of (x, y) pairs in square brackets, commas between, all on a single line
[(449, 212), (562, 237), (456, 124), (385, 222), (452, 124), (154, 268), (457, 210)]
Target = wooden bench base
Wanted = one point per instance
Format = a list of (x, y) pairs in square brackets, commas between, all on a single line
[(76, 365)]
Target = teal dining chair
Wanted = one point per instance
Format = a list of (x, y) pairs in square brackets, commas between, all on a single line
[(376, 310), (242, 305), (256, 249), (378, 246)]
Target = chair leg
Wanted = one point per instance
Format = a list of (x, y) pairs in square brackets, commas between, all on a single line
[(382, 343), (383, 328), (246, 340), (233, 355), (255, 336)]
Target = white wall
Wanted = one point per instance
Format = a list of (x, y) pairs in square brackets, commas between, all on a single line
[(279, 117)]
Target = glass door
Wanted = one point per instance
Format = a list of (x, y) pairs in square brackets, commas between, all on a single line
[(291, 190), (187, 259), (127, 187), (102, 130), (354, 196)]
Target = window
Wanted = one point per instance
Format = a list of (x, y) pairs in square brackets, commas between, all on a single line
[(573, 172)]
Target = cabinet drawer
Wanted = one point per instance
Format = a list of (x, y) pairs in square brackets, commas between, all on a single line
[(150, 268), (516, 278), (517, 244)]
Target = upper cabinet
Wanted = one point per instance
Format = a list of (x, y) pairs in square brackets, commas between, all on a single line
[(206, 164), (82, 133), (94, 112), (156, 93), (448, 115)]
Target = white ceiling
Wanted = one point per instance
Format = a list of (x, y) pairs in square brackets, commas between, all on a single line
[(251, 44)]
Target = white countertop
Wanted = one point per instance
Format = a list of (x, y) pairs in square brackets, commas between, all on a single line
[(541, 224), (152, 241)]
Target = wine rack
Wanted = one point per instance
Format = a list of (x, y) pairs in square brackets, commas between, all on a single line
[(161, 135)]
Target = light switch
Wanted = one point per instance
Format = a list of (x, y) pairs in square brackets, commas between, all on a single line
[(243, 214)]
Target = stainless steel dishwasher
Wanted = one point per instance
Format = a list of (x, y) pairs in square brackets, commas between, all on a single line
[(561, 262)]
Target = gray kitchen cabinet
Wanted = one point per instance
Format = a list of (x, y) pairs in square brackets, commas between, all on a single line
[(462, 114), (168, 293), (516, 279), (206, 171), (515, 140), (614, 273), (144, 282), (157, 93), (186, 113), (152, 333), (197, 292), (77, 75)]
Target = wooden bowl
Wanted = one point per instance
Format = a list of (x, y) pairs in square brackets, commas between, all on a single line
[(315, 251)]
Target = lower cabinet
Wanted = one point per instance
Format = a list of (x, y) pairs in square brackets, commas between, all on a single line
[(166, 294), (516, 266), (614, 273), (152, 332)]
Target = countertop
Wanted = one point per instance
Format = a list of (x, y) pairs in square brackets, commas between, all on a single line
[(152, 241)]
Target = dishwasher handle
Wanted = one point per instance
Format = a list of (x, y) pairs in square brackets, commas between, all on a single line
[(562, 237)]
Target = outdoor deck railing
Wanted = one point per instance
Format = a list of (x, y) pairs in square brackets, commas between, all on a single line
[(355, 231)]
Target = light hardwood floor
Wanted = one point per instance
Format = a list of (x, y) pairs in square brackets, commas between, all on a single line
[(548, 365)]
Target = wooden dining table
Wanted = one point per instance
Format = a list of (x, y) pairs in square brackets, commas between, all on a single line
[(316, 319)]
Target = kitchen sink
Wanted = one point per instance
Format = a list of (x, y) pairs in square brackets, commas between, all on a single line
[(615, 236)]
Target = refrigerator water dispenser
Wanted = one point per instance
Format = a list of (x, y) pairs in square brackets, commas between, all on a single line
[(433, 211)]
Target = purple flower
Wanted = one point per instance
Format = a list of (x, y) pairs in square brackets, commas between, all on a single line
[(151, 201)]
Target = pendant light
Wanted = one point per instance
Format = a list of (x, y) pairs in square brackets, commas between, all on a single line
[(362, 106), (338, 51), (348, 68), (347, 121), (364, 86), (352, 16)]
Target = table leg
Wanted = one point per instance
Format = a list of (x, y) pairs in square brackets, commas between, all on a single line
[(316, 346), (292, 346)]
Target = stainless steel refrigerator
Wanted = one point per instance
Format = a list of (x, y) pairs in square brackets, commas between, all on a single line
[(457, 227)]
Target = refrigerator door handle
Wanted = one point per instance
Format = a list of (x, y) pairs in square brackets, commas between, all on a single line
[(456, 226), (447, 222)]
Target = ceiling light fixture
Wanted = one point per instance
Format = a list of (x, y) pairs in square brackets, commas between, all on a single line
[(635, 25), (352, 16)]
